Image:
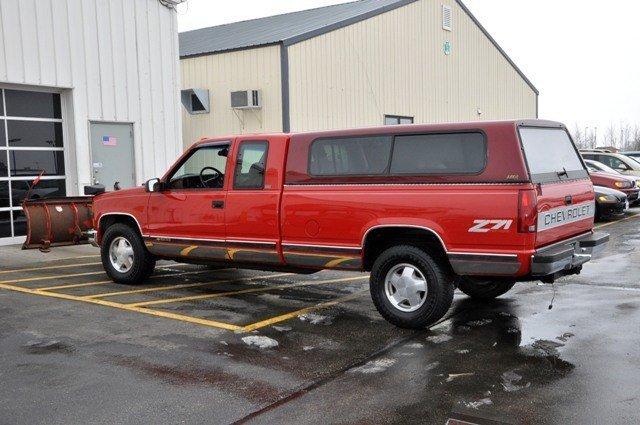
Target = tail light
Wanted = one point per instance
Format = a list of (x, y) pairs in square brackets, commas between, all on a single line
[(527, 211)]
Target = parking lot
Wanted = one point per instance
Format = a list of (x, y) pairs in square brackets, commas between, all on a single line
[(221, 346)]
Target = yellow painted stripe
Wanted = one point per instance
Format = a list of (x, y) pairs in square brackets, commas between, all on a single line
[(62, 276), (338, 261), (247, 291), (66, 266), (102, 282), (600, 226), (157, 313), (186, 285), (293, 314), (188, 250)]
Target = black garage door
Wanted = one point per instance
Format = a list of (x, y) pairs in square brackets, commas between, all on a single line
[(31, 143)]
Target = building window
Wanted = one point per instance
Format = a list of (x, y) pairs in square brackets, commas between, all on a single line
[(397, 120), (31, 143)]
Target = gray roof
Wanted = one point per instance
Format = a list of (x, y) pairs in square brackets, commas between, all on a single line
[(291, 28), (279, 28)]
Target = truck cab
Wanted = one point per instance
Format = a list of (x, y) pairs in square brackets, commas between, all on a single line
[(424, 208)]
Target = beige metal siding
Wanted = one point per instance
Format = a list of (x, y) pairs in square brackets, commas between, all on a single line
[(113, 60), (394, 63), (222, 73)]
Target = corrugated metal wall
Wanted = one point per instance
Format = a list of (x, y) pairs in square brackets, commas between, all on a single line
[(222, 73), (395, 64), (113, 60)]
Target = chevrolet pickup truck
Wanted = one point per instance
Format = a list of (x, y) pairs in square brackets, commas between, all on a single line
[(424, 208)]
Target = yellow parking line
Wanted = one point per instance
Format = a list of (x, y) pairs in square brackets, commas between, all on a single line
[(246, 291), (62, 276), (157, 313), (66, 266), (282, 318), (102, 282), (186, 285), (77, 285), (600, 226)]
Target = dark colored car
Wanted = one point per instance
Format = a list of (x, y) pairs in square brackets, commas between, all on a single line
[(610, 203), (625, 184)]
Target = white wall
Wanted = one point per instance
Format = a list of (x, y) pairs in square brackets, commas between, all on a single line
[(395, 64), (223, 73), (112, 60)]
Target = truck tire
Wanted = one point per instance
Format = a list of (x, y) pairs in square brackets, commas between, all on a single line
[(396, 278), (124, 256), (484, 289)]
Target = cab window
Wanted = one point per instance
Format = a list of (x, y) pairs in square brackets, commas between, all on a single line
[(251, 165), (203, 169)]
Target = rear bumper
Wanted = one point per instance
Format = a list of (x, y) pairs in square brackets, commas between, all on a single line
[(567, 255)]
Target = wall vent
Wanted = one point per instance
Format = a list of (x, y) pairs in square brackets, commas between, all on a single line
[(447, 18), (246, 99), (195, 101)]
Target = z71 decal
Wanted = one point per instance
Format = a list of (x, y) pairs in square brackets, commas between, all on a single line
[(484, 226)]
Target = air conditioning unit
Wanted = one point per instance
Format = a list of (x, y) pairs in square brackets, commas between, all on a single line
[(246, 99)]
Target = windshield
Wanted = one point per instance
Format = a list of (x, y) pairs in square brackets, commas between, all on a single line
[(598, 166), (551, 155)]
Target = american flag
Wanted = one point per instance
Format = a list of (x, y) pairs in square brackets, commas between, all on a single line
[(109, 141)]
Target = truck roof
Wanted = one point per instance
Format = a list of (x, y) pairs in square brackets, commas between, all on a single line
[(385, 129)]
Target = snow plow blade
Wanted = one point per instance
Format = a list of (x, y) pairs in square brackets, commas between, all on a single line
[(58, 222)]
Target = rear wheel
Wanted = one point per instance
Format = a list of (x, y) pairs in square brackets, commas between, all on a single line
[(124, 256), (484, 289), (409, 288)]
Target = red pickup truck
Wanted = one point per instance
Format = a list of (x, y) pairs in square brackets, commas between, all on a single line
[(424, 208)]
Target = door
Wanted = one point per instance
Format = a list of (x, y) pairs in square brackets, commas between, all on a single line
[(112, 154), (187, 216), (565, 199), (252, 203)]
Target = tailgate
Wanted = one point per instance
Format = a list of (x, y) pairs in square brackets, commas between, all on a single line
[(565, 197), (564, 210), (58, 222)]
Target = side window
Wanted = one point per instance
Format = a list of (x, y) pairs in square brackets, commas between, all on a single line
[(251, 165), (454, 153), (363, 156), (203, 169), (618, 164)]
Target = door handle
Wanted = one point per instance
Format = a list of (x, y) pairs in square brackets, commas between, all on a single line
[(217, 204)]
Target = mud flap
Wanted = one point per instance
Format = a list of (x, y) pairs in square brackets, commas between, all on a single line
[(58, 222)]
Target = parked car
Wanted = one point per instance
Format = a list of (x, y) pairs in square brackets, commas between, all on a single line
[(599, 166), (610, 203), (424, 208), (632, 154), (621, 163), (616, 181)]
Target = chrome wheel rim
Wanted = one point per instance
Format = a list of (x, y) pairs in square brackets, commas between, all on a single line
[(406, 287), (121, 254)]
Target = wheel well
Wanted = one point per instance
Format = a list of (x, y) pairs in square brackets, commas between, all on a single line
[(378, 240), (111, 219)]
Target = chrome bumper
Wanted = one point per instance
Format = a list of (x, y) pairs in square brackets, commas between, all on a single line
[(568, 255)]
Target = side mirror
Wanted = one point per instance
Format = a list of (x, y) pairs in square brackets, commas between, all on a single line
[(153, 185)]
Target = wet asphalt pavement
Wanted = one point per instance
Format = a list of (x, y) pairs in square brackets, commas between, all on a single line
[(71, 360)]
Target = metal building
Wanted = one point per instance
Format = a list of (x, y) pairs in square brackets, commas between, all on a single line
[(368, 62), (89, 91)]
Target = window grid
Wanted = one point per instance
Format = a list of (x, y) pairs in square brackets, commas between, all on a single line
[(5, 152)]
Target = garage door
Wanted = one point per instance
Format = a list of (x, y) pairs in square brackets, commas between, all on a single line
[(31, 142)]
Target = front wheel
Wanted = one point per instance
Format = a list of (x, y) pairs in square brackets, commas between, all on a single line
[(409, 288), (124, 256), (484, 289)]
